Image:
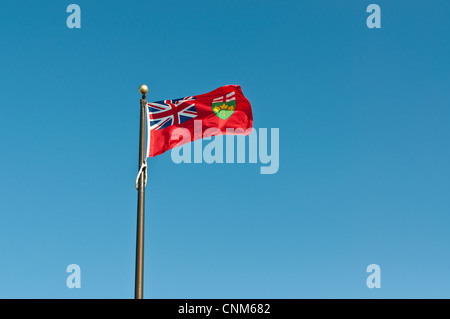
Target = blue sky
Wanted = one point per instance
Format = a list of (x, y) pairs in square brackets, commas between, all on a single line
[(363, 116)]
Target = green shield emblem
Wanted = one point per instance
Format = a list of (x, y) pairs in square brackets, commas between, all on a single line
[(224, 109)]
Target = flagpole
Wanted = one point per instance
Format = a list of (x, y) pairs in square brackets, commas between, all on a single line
[(139, 275)]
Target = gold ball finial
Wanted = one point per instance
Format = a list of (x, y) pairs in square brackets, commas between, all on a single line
[(143, 89)]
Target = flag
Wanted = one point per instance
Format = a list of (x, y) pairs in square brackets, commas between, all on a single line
[(225, 107)]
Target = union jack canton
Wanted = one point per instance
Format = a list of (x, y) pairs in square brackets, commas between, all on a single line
[(170, 112)]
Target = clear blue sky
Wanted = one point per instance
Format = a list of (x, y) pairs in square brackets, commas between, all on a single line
[(364, 170)]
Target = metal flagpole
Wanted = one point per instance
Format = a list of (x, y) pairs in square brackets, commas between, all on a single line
[(139, 279)]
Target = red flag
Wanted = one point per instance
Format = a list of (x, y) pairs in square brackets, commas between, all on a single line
[(224, 108)]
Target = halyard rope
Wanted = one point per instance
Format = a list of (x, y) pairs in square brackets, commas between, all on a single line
[(141, 170)]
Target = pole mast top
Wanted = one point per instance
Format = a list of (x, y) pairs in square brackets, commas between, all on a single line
[(143, 89)]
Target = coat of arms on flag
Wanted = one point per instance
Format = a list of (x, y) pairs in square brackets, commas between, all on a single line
[(224, 106)]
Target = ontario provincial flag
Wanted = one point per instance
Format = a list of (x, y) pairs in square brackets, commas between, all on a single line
[(223, 111)]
